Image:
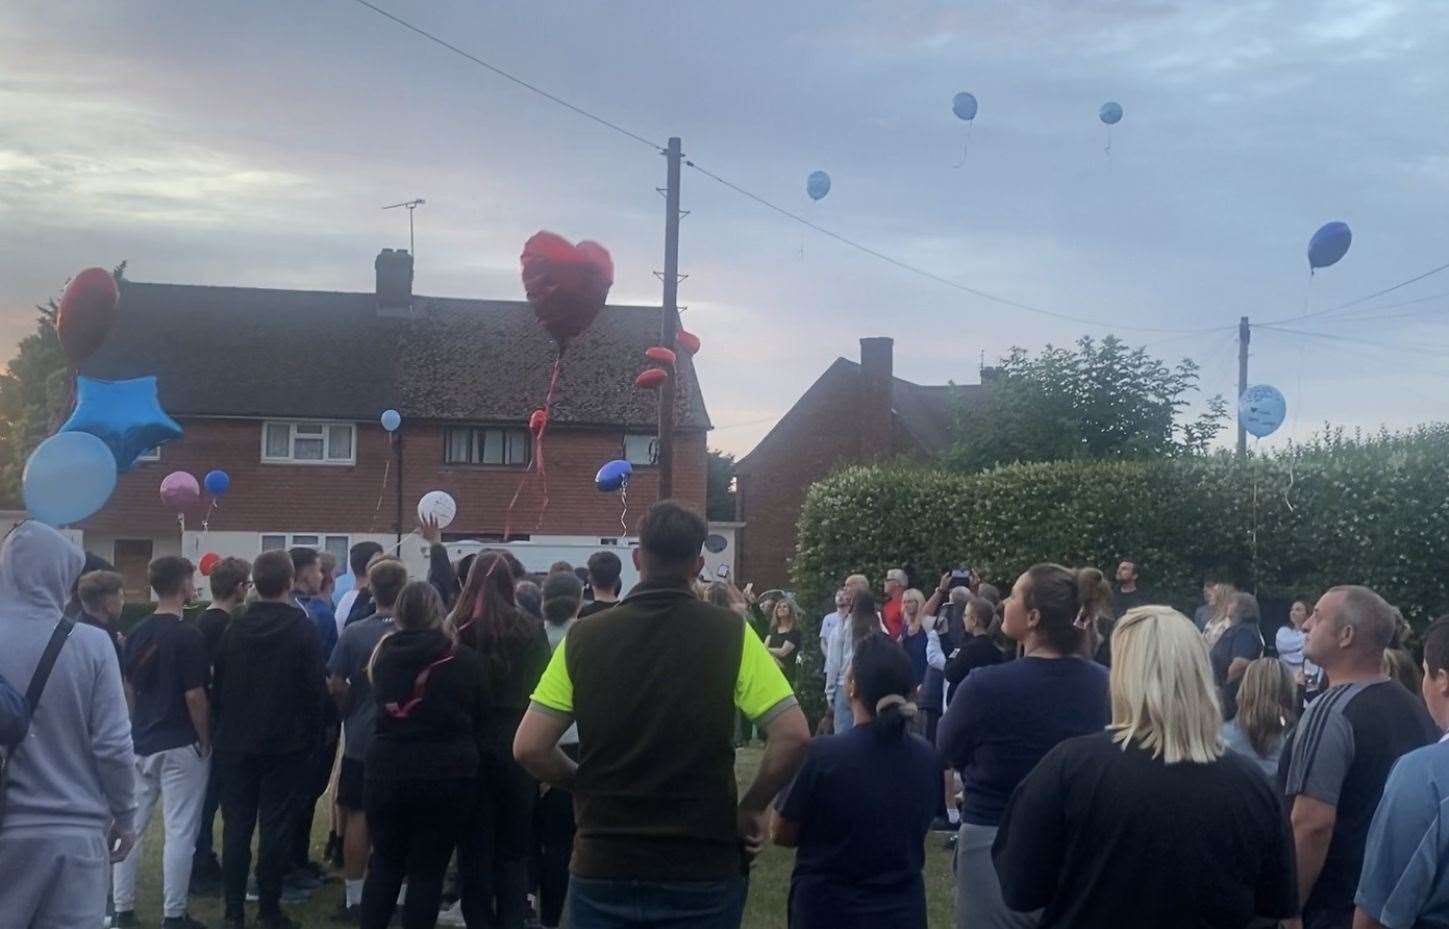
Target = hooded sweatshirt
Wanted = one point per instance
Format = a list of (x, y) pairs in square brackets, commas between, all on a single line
[(432, 730), (75, 770), (269, 682)]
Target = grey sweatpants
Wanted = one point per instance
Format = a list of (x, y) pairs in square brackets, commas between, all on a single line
[(978, 892), (53, 879)]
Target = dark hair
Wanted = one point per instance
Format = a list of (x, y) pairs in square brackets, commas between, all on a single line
[(418, 604), (560, 566), (882, 671), (863, 619), (515, 567), (272, 573), (982, 613), (303, 558), (168, 573), (95, 586), (671, 536), (604, 571), (562, 594), (464, 565), (359, 555), (486, 617), (386, 578), (1067, 601), (228, 575), (529, 597), (1436, 645)]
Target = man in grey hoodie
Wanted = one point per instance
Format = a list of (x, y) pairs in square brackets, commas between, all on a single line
[(72, 791)]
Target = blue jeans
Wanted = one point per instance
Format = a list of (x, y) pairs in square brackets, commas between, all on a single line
[(622, 904)]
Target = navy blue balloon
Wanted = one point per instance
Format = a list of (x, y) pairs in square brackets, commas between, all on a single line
[(817, 185), (1329, 244), (613, 475), (1110, 113), (123, 414), (216, 482), (964, 106)]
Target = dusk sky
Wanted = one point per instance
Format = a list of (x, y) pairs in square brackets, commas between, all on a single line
[(254, 143)]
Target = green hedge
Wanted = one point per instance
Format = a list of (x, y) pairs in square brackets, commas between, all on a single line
[(1371, 511)]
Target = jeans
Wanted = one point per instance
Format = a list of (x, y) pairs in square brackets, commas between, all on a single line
[(52, 878), (265, 791), (414, 826), (844, 716), (625, 904), (177, 777), (554, 826), (494, 852)]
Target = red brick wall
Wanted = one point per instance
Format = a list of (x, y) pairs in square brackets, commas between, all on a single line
[(331, 498)]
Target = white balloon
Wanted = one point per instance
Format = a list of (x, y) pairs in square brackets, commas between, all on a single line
[(439, 505)]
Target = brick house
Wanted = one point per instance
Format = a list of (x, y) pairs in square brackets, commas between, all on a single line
[(854, 413), (283, 389)]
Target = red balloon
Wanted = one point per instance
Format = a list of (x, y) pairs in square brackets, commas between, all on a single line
[(687, 341), (660, 354), (208, 563), (651, 379), (567, 284), (87, 313), (537, 421)]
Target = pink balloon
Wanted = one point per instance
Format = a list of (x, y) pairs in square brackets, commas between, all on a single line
[(179, 491)]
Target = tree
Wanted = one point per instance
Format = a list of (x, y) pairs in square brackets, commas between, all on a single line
[(1094, 401), (720, 487)]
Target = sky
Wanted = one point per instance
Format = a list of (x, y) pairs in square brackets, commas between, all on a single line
[(255, 144)]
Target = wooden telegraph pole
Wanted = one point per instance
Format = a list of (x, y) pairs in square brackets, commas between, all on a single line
[(668, 324)]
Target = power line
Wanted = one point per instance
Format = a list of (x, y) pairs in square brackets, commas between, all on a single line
[(1430, 351), (1389, 306), (1364, 299)]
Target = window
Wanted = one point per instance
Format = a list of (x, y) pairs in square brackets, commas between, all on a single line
[(308, 443), (336, 544), (150, 454), (641, 449), (483, 446)]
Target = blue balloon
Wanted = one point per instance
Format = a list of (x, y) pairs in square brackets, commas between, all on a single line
[(69, 476), (817, 185), (1329, 244), (1261, 409), (1110, 113), (123, 414), (345, 582), (216, 482), (391, 419), (613, 475), (964, 106)]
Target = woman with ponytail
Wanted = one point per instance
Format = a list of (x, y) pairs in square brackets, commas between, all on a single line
[(859, 810), (1004, 718)]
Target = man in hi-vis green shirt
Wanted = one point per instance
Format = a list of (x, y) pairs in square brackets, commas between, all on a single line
[(654, 684)]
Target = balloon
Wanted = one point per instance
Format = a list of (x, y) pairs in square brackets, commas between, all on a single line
[(537, 421), (87, 313), (69, 476), (391, 420), (216, 482), (440, 506), (1261, 409), (567, 284), (208, 563), (651, 379), (1329, 244), (687, 341), (1110, 113), (123, 414), (964, 106), (179, 491), (660, 354), (614, 475), (817, 185)]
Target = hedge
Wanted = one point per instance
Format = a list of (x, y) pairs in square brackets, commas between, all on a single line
[(1339, 511)]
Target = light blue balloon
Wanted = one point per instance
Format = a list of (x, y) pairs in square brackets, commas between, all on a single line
[(964, 106), (344, 583), (613, 475), (1261, 409), (391, 420), (817, 185), (1110, 113), (69, 476), (1329, 244)]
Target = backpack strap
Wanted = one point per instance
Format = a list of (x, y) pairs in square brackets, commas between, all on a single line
[(58, 638)]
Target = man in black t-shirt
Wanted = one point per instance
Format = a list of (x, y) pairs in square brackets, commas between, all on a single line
[(166, 673), (604, 571), (1127, 593), (1340, 755)]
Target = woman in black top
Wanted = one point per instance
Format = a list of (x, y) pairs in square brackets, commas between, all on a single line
[(1150, 822), (978, 650), (494, 854), (784, 638), (422, 765)]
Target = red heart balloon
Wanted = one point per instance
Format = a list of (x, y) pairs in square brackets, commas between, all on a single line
[(687, 341), (87, 313), (660, 354), (651, 379), (567, 284), (208, 563), (537, 421)]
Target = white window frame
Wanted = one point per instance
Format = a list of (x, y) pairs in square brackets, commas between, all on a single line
[(290, 541), (153, 454), (475, 438), (291, 459), (624, 449)]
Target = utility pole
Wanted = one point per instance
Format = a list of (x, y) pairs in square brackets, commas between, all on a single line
[(397, 451), (1245, 335), (667, 329)]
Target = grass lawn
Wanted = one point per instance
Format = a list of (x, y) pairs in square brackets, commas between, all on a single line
[(769, 881)]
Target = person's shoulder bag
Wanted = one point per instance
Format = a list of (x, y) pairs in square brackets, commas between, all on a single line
[(16, 711)]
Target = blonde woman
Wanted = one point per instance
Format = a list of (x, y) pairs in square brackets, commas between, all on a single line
[(1267, 708), (1100, 834), (1218, 622), (914, 637)]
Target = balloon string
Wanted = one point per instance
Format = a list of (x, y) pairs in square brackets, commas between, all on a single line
[(397, 546), (624, 513), (1108, 149), (1257, 442), (206, 524), (382, 492), (538, 457), (965, 147)]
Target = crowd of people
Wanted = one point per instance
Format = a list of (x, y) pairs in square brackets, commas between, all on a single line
[(566, 750)]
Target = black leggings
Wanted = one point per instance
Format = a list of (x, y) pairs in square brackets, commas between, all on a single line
[(494, 853), (414, 826)]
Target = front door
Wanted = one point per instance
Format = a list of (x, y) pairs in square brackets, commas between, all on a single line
[(133, 558)]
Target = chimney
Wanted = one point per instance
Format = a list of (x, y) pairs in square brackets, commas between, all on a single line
[(877, 397), (394, 282)]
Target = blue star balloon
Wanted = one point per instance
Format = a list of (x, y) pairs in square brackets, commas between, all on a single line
[(123, 414)]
